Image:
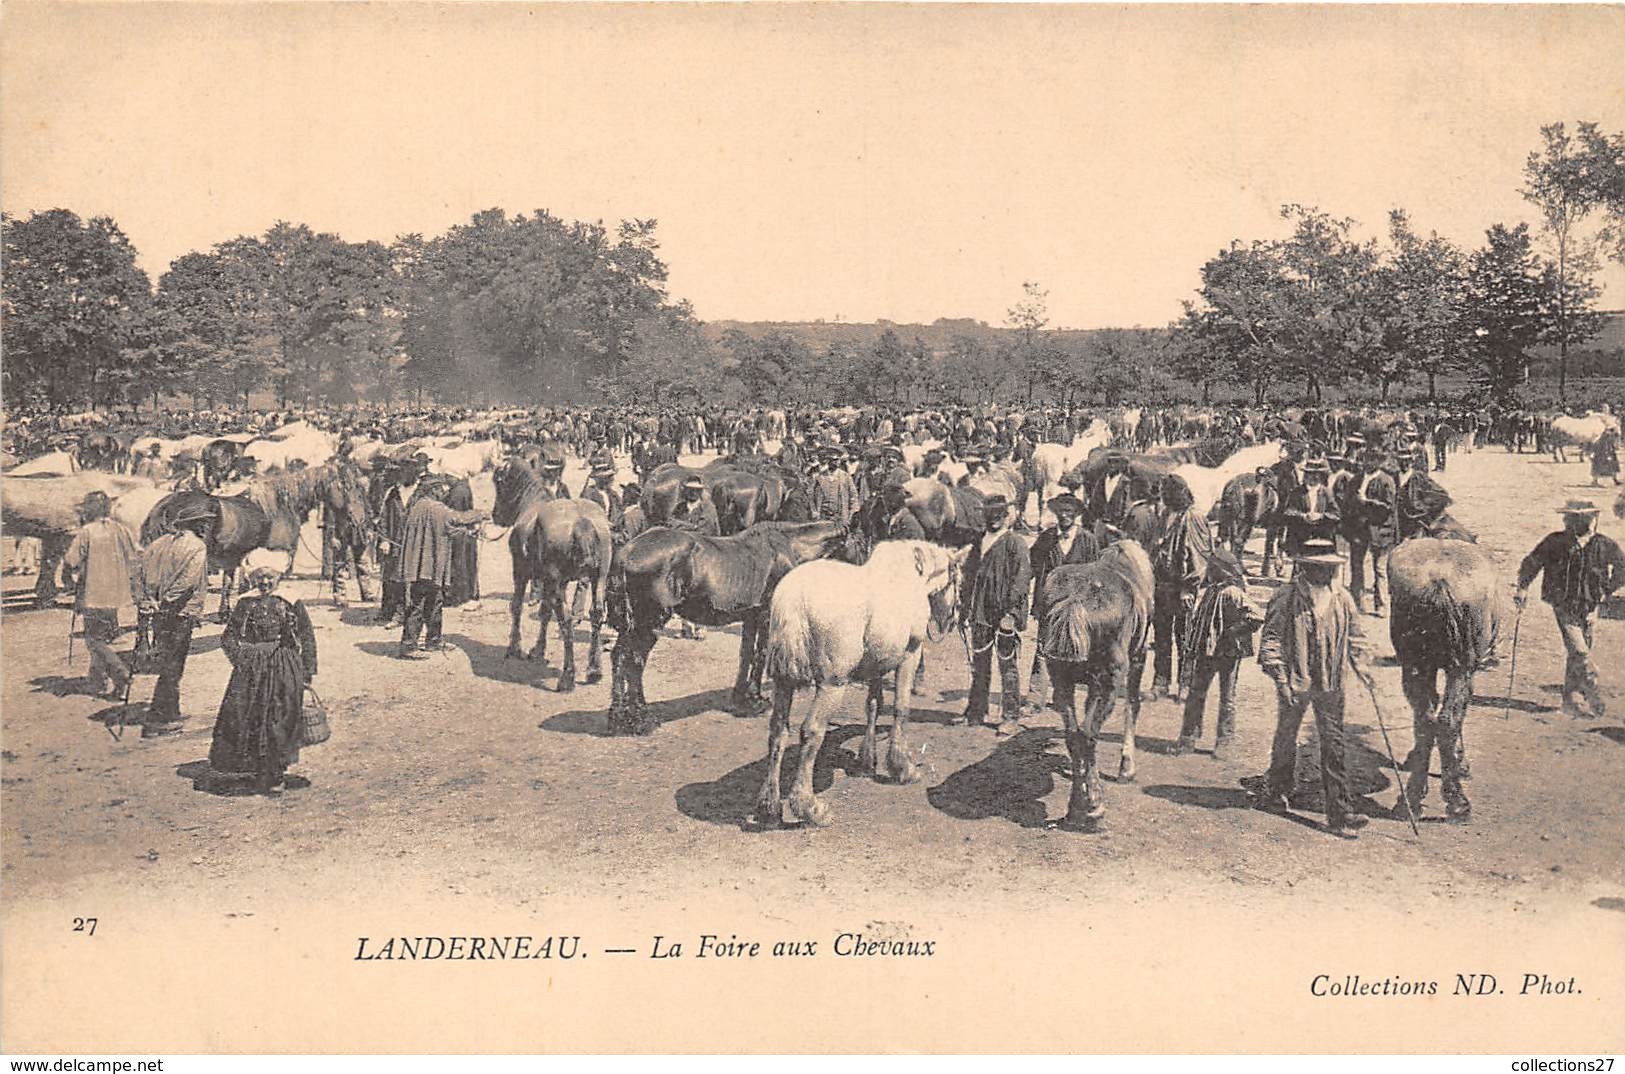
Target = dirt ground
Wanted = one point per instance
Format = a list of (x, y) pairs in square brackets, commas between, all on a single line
[(465, 782)]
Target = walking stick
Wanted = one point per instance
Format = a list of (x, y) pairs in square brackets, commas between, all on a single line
[(73, 621), (1512, 672), (1404, 794)]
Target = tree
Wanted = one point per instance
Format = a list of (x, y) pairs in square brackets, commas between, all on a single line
[(1425, 287), (1507, 292), (73, 302), (1028, 318), (1562, 179)]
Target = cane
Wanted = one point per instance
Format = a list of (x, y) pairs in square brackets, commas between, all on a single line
[(73, 621), (1404, 794), (1512, 672)]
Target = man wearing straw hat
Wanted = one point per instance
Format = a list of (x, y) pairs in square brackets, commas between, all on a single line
[(1311, 637), (174, 578), (601, 491), (1581, 569), (105, 562)]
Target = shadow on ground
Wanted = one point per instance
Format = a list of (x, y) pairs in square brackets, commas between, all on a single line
[(730, 800)]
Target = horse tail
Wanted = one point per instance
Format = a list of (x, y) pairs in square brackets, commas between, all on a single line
[(1066, 631), (1432, 625), (790, 635)]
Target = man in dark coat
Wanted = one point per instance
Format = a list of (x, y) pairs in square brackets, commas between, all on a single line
[(391, 534), (1370, 528), (601, 491), (1064, 543), (1288, 480), (1418, 499), (1581, 569), (426, 564), (1178, 565), (695, 513), (1311, 512), (998, 574), (1109, 496), (899, 522)]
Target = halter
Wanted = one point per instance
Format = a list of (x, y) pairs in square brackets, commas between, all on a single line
[(934, 633)]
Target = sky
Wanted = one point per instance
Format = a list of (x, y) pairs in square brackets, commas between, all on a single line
[(841, 161)]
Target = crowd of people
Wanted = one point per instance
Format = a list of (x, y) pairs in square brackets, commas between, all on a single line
[(1350, 486)]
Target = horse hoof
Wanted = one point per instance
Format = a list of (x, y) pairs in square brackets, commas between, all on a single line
[(594, 676), (1125, 772), (813, 812), (534, 654), (904, 772), (513, 653), (567, 683), (767, 818), (868, 762)]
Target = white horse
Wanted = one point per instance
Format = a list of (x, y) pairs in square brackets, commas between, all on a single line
[(830, 624), (1051, 462), (1582, 433), (1207, 482)]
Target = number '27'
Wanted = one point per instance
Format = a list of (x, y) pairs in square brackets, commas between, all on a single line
[(86, 925)]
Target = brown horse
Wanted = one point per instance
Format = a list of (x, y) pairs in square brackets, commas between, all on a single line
[(268, 514), (553, 543), (1247, 503), (1094, 633), (744, 490), (708, 580), (1446, 617)]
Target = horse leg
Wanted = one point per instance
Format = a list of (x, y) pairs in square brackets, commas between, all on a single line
[(1421, 690), (563, 612), (516, 610), (1065, 683), (595, 644), (1126, 767), (759, 663), (741, 702), (1102, 699), (898, 762), (637, 706), (227, 577), (50, 561), (804, 804), (548, 590), (869, 752)]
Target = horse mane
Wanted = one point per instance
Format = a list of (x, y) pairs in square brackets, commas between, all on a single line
[(292, 491), (1084, 597)]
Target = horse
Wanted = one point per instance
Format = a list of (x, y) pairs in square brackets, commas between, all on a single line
[(268, 514), (104, 451), (220, 460), (45, 507), (833, 623), (950, 515), (1249, 501), (712, 581), (744, 490), (1094, 631), (1582, 433), (1447, 611), (553, 543)]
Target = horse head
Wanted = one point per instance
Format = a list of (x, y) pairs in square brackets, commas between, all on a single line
[(512, 480), (939, 569), (345, 497)]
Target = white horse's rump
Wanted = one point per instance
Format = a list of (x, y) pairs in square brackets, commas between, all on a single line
[(832, 623)]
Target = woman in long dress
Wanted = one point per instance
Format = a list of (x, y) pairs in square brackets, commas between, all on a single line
[(465, 551), (273, 658)]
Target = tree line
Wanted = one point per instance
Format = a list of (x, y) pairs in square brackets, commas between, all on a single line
[(528, 308)]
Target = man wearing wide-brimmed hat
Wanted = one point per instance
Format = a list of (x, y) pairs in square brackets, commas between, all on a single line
[(1067, 542), (695, 513), (601, 491), (834, 495), (1310, 641), (1581, 569), (994, 612), (106, 564), (174, 578)]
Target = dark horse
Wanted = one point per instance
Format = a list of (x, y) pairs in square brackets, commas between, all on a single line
[(220, 459), (1094, 633), (708, 580), (744, 489), (553, 543), (269, 514), (1248, 502), (105, 451)]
